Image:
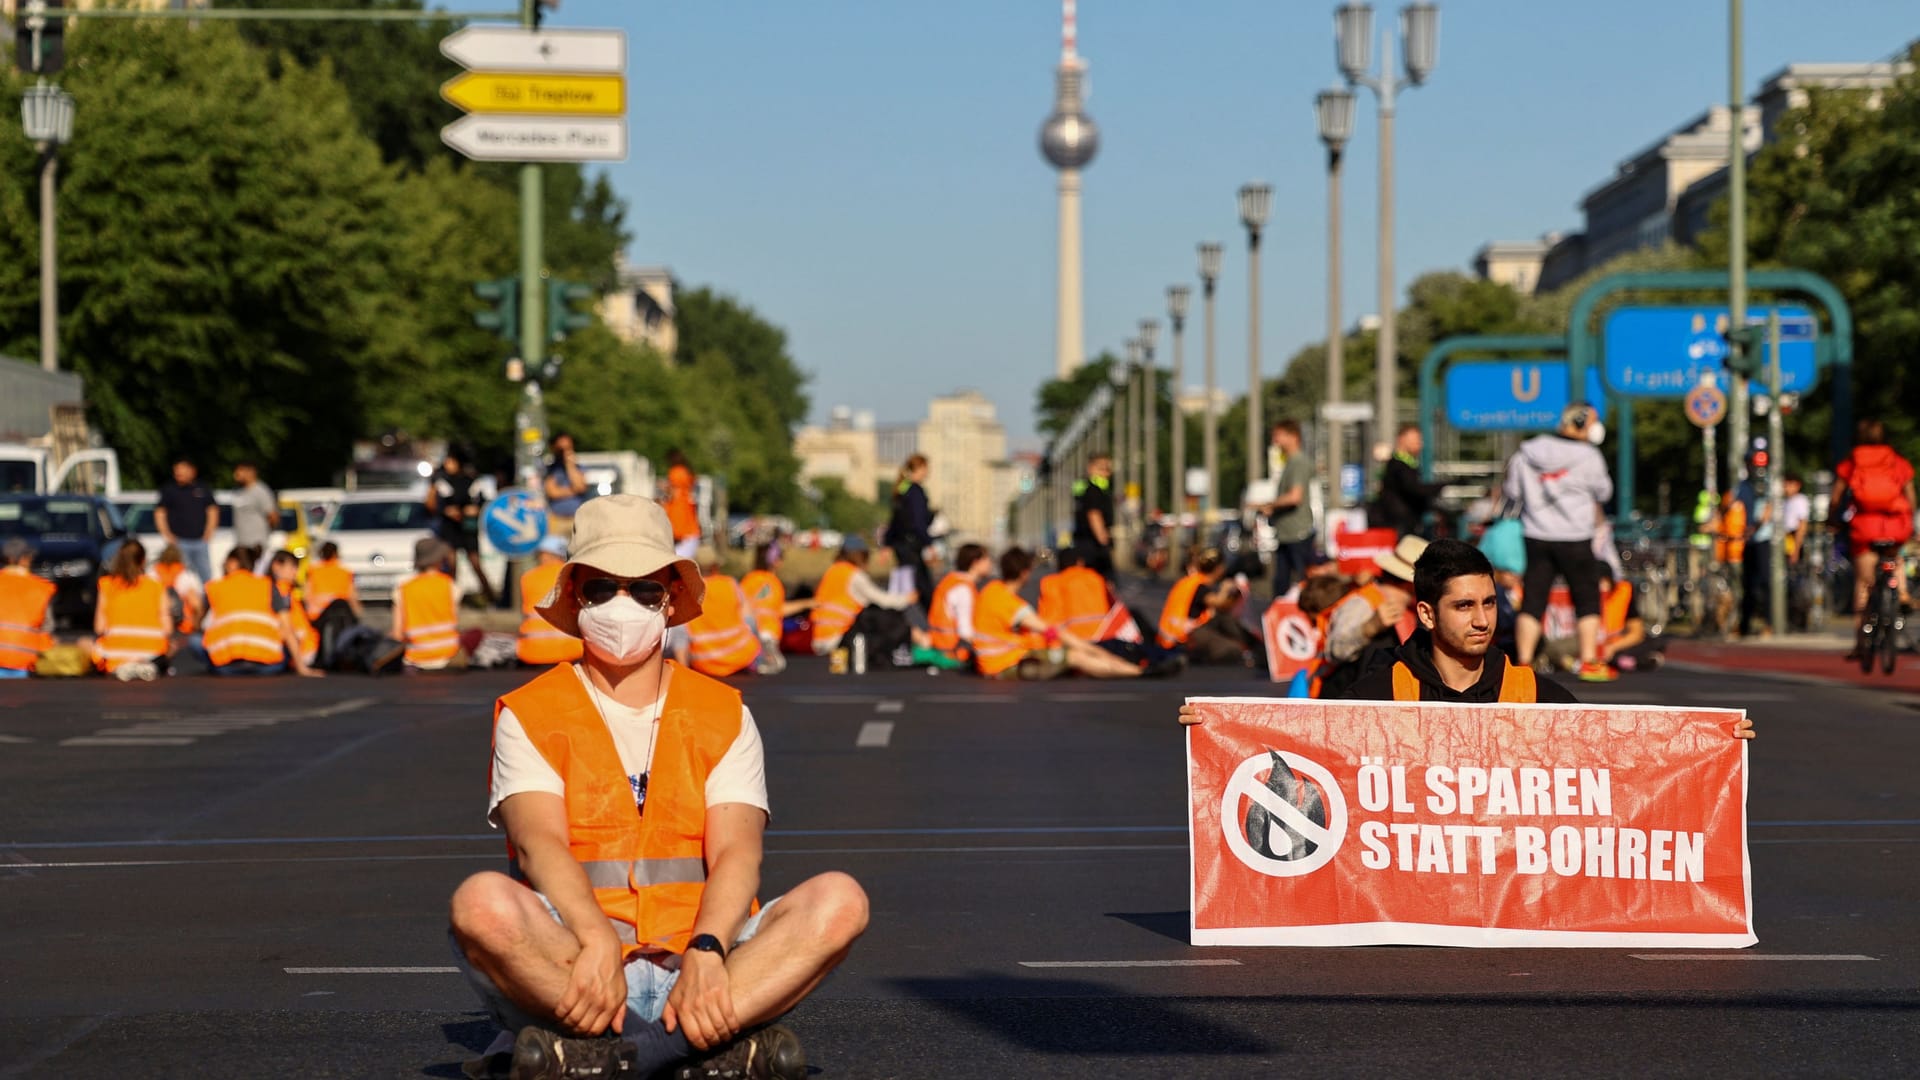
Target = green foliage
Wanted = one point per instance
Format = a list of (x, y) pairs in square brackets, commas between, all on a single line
[(1060, 400), (839, 509), (710, 322)]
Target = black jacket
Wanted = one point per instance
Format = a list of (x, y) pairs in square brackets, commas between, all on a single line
[(911, 518), (1403, 499), (1417, 654)]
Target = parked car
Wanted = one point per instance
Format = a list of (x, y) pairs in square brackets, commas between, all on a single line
[(74, 536), (376, 532)]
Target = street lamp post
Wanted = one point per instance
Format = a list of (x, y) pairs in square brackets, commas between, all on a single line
[(1118, 377), (1256, 201), (1149, 414), (1177, 464), (1420, 40), (1135, 454), (1334, 110), (1210, 435), (46, 114)]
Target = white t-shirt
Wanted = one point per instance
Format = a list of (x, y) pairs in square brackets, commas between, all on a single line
[(740, 776), (960, 610), (1795, 511)]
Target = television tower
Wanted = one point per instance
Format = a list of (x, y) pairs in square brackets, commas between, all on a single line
[(1068, 140)]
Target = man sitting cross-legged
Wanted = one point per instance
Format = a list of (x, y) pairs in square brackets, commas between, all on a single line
[(627, 940)]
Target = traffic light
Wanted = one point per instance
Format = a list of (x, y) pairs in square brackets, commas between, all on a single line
[(504, 317), (1745, 346), (562, 319)]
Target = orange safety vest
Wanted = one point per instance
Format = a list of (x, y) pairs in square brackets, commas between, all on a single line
[(540, 642), (682, 512), (303, 631), (722, 637), (429, 625), (136, 617), (1730, 533), (241, 622), (834, 607), (1076, 600), (648, 870), (327, 582), (943, 633), (168, 575), (1517, 685), (24, 600), (997, 646), (769, 599), (1175, 626)]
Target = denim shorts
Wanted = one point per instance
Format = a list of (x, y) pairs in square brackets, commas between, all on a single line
[(649, 980)]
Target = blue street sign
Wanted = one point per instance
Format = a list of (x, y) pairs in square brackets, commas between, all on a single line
[(1516, 395), (1350, 478), (516, 522), (1661, 352)]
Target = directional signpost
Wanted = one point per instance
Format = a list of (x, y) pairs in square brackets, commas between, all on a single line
[(1517, 395), (538, 95), (515, 523), (1663, 351)]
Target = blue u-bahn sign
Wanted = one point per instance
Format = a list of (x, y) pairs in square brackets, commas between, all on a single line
[(1661, 352), (1515, 395)]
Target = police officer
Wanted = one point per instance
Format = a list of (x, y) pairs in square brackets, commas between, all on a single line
[(1093, 515)]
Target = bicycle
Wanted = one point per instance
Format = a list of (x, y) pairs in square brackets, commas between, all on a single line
[(1882, 622)]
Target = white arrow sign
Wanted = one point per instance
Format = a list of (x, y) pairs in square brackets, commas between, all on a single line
[(505, 48), (538, 138)]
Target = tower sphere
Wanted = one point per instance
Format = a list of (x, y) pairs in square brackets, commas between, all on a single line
[(1069, 138)]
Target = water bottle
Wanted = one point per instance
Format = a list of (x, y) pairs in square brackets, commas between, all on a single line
[(859, 654)]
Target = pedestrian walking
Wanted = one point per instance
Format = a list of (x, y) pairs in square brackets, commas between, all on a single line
[(1404, 499), (453, 501), (256, 513), (565, 486), (26, 610), (909, 530), (1290, 514), (1560, 482), (683, 507), (1756, 555), (186, 515), (627, 940), (1093, 515)]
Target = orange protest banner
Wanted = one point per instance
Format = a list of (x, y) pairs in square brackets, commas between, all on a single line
[(1293, 641), (1373, 823)]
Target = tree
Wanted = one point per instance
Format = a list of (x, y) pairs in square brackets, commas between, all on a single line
[(710, 322), (1060, 400)]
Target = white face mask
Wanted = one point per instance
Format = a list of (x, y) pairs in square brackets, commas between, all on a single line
[(622, 632), (1596, 433)]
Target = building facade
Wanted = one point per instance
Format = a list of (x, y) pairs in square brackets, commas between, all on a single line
[(845, 449), (969, 477), (639, 309)]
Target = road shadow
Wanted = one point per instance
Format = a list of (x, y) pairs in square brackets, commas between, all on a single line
[(1063, 1016), (471, 1036), (1172, 925)]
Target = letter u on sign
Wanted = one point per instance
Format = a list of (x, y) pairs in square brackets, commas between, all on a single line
[(1526, 384)]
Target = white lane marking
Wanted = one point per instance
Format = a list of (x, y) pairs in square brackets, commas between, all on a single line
[(14, 739), (962, 699), (1127, 963), (124, 740), (890, 706), (1712, 696), (875, 733), (1093, 698), (372, 970), (829, 699), (1751, 956)]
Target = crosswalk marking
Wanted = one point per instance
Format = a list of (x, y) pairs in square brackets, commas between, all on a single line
[(874, 733)]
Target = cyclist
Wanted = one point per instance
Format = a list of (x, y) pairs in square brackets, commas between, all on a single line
[(1880, 482)]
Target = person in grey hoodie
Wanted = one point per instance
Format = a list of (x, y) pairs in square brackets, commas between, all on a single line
[(1560, 481)]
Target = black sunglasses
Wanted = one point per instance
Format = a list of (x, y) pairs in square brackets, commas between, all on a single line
[(646, 592)]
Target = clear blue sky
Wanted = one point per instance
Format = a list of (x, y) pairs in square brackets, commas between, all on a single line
[(865, 172)]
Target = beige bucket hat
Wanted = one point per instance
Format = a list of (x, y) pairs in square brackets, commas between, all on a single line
[(623, 536), (1399, 562)]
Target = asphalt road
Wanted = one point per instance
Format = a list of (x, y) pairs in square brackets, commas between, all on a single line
[(240, 879)]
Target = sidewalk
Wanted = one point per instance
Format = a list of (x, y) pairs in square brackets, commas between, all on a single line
[(1796, 656)]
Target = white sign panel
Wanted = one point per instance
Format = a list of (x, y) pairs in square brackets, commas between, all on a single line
[(538, 138), (506, 48)]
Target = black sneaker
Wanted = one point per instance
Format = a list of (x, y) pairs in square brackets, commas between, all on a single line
[(540, 1054), (769, 1053)]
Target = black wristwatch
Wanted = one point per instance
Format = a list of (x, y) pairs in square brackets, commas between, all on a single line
[(708, 943)]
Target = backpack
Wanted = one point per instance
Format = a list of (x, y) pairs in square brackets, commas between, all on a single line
[(1876, 486)]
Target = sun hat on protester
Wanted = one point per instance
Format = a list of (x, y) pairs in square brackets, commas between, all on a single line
[(430, 552), (1399, 562), (623, 536)]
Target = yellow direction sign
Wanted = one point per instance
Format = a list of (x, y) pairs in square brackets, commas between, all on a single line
[(538, 95)]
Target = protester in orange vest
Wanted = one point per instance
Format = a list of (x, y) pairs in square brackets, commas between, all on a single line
[(768, 594), (187, 594), (540, 643), (1202, 615), (329, 582), (683, 508), (1011, 641), (846, 590), (285, 570), (130, 618), (633, 794), (426, 608), (950, 614), (1075, 597), (249, 630), (723, 641), (26, 610)]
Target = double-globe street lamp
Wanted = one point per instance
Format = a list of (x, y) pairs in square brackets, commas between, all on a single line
[(1333, 109), (1177, 316), (1353, 39), (1210, 435), (1256, 202), (46, 114)]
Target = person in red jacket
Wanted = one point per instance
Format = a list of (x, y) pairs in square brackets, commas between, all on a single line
[(1881, 484)]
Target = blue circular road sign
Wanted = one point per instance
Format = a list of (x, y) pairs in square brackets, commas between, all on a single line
[(515, 522)]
